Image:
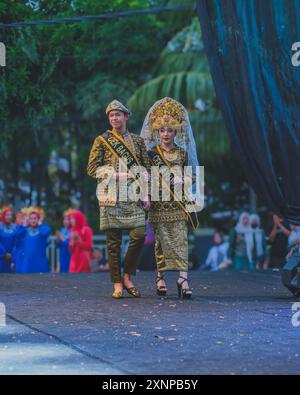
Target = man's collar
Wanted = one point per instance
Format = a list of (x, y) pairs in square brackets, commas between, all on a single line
[(119, 133)]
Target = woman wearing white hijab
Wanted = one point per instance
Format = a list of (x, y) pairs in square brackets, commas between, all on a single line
[(259, 240), (241, 244)]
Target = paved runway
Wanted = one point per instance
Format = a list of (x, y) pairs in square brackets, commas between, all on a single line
[(237, 323)]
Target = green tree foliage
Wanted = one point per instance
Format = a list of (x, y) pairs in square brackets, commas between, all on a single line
[(59, 79), (182, 72), (56, 85)]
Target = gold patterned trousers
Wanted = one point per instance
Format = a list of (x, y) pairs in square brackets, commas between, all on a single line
[(114, 241), (171, 246)]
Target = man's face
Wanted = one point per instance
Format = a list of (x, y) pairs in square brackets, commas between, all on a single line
[(117, 119), (167, 135)]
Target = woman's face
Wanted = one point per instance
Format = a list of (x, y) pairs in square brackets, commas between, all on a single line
[(167, 135), (72, 221), (97, 254), (254, 224), (217, 238), (245, 221), (66, 221), (19, 218), (8, 217), (33, 220)]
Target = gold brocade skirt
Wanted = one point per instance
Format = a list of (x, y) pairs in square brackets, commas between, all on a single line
[(122, 216), (171, 245)]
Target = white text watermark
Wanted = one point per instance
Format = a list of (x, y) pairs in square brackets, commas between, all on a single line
[(296, 55), (2, 315), (296, 315), (160, 184), (2, 55)]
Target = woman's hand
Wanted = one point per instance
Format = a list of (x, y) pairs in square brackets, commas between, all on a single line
[(177, 180), (7, 257), (277, 220), (58, 235), (75, 236)]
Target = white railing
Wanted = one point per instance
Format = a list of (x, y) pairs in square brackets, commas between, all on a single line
[(98, 241)]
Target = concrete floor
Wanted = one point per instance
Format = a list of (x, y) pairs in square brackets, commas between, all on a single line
[(237, 323)]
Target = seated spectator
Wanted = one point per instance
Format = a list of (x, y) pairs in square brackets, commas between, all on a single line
[(99, 262), (293, 241), (217, 255)]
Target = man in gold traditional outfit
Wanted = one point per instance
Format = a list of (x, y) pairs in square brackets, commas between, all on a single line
[(167, 122), (116, 215)]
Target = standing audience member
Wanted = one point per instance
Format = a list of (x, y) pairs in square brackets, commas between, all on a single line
[(241, 244), (81, 242), (63, 241), (9, 232), (278, 239), (21, 220), (259, 241), (35, 243)]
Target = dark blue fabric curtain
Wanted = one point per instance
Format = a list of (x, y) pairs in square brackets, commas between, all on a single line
[(249, 48)]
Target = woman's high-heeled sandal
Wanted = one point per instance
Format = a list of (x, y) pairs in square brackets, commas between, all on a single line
[(184, 293), (162, 289)]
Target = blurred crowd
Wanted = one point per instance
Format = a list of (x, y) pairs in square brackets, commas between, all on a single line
[(24, 241), (249, 246)]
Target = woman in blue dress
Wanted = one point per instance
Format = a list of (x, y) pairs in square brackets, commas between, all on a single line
[(9, 232), (63, 241), (18, 256), (35, 243), (2, 255)]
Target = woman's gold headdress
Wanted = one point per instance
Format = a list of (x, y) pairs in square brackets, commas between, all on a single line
[(36, 210), (168, 113), (68, 211)]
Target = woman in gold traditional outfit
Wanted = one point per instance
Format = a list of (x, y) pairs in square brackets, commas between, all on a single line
[(170, 144)]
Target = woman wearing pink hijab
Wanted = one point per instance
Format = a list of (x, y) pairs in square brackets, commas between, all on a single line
[(81, 241)]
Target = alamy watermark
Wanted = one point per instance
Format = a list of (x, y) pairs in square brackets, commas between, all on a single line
[(160, 184), (2, 55), (296, 56), (2, 315), (296, 315)]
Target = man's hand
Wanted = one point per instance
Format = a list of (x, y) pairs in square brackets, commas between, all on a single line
[(75, 236), (121, 176), (146, 203), (177, 180)]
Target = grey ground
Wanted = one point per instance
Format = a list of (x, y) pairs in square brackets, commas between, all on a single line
[(237, 323)]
